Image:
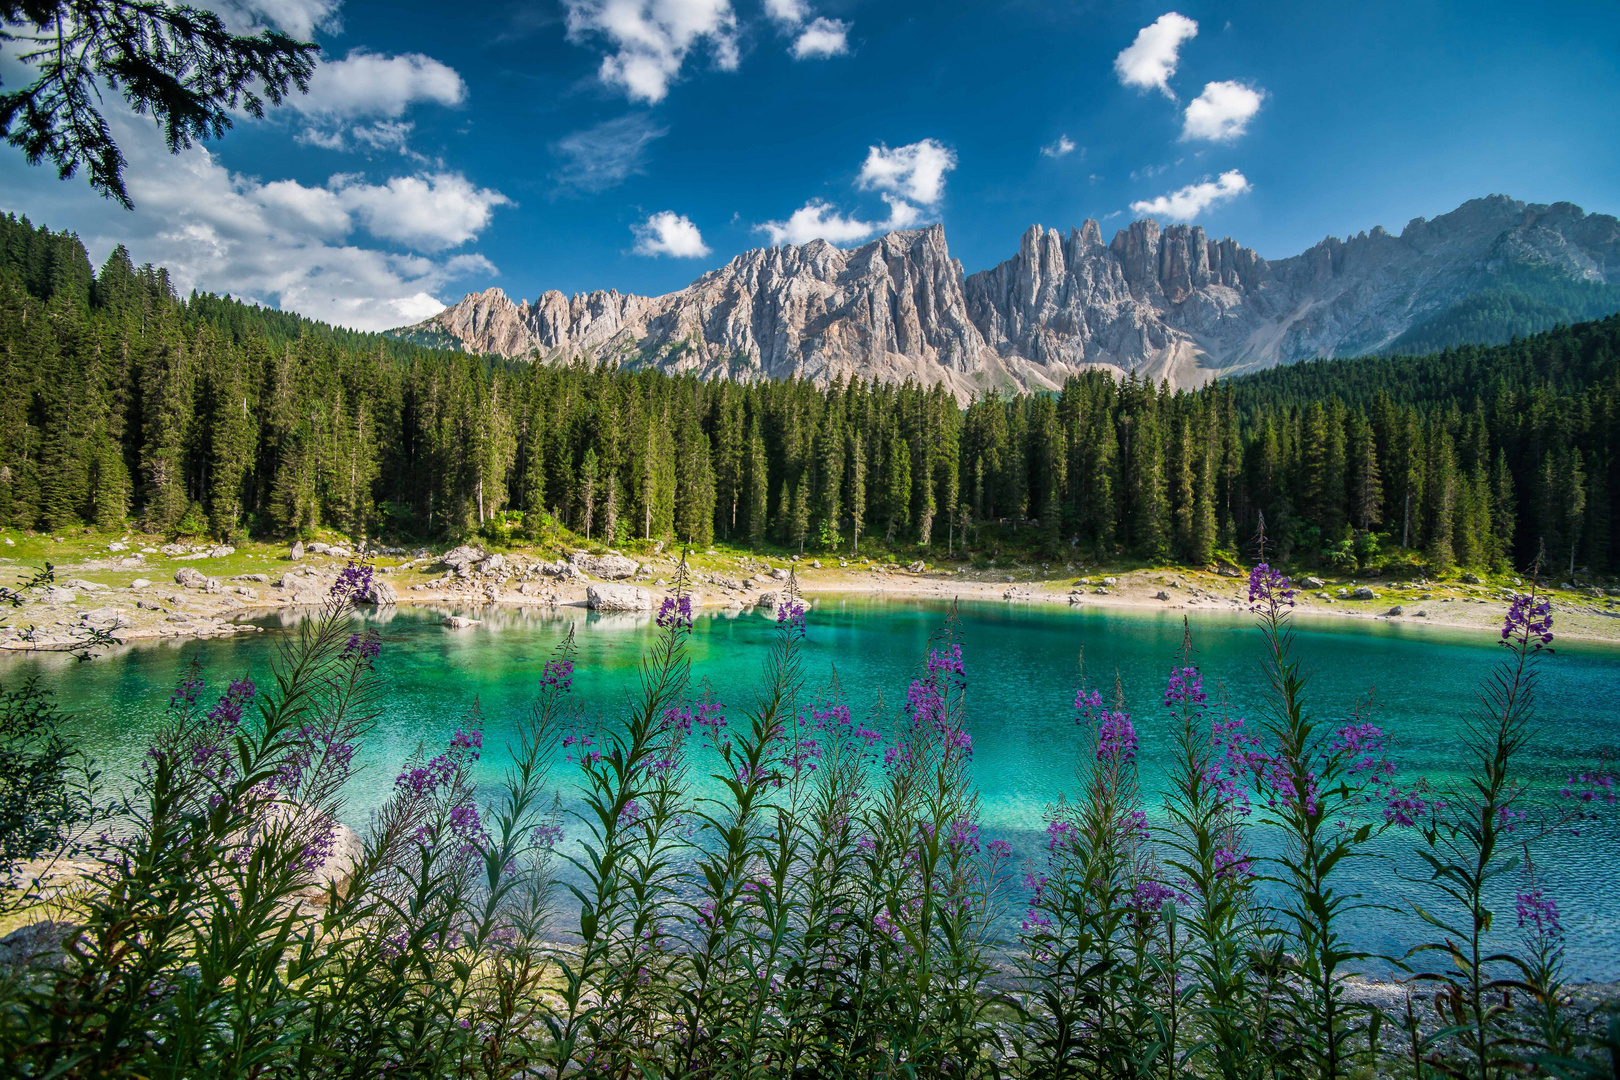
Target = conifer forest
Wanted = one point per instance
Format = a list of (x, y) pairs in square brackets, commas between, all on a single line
[(201, 415)]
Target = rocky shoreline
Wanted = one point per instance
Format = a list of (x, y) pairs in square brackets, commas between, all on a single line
[(177, 591)]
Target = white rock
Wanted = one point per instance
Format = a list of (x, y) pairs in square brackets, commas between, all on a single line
[(603, 597), (139, 583), (191, 579), (460, 622)]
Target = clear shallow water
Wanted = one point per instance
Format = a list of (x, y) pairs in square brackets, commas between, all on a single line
[(1022, 670)]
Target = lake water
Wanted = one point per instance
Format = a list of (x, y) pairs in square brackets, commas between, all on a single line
[(1022, 669)]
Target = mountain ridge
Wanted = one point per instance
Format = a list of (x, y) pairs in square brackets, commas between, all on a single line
[(1168, 303)]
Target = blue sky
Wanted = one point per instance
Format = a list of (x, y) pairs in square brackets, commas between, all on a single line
[(634, 144)]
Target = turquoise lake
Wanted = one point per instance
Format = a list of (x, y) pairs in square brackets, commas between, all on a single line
[(1021, 663)]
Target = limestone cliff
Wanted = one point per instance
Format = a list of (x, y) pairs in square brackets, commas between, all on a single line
[(1166, 303)]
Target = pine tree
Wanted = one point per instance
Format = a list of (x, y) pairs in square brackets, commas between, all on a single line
[(758, 498), (857, 490), (588, 470)]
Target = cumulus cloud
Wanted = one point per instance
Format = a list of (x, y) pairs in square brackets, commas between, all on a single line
[(365, 85), (1064, 145), (427, 213), (298, 247), (1222, 112), (295, 18), (909, 179), (816, 220), (603, 156), (669, 233), (818, 40), (821, 39), (915, 172), (651, 39), (374, 84), (792, 12), (1186, 203), (1148, 62)]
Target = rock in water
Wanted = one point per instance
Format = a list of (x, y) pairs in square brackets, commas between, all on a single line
[(460, 622), (603, 597)]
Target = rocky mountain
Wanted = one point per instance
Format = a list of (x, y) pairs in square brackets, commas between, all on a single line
[(1166, 303)]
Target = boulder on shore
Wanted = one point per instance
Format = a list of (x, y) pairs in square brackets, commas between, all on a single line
[(618, 598), (609, 567), (378, 594), (191, 578)]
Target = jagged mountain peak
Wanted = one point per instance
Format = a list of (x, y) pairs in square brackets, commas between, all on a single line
[(1166, 302)]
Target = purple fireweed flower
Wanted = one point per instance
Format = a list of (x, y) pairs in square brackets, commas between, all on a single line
[(353, 582), (559, 675), (1116, 738), (1059, 834), (676, 612), (790, 616), (868, 736), (1529, 619), (1589, 788), (1404, 808), (947, 662), (999, 849), (1185, 688), (710, 718), (1537, 909), (805, 754), (964, 836), (1134, 826), (866, 844), (961, 742), (1230, 862), (470, 741), (1269, 588), (364, 648), (190, 688), (1087, 705), (630, 815), (1507, 818), (1151, 895), (1363, 746), (548, 835)]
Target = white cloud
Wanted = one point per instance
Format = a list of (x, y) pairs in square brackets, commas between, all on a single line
[(1222, 112), (822, 38), (910, 179), (295, 18), (669, 233), (373, 84), (1064, 145), (792, 12), (816, 220), (281, 243), (1150, 60), (651, 39), (1187, 203), (600, 157), (428, 213), (915, 171)]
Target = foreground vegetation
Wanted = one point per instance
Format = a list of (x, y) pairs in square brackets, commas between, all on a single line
[(207, 416), (830, 909)]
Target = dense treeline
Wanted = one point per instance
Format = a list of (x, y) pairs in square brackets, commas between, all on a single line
[(207, 415)]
